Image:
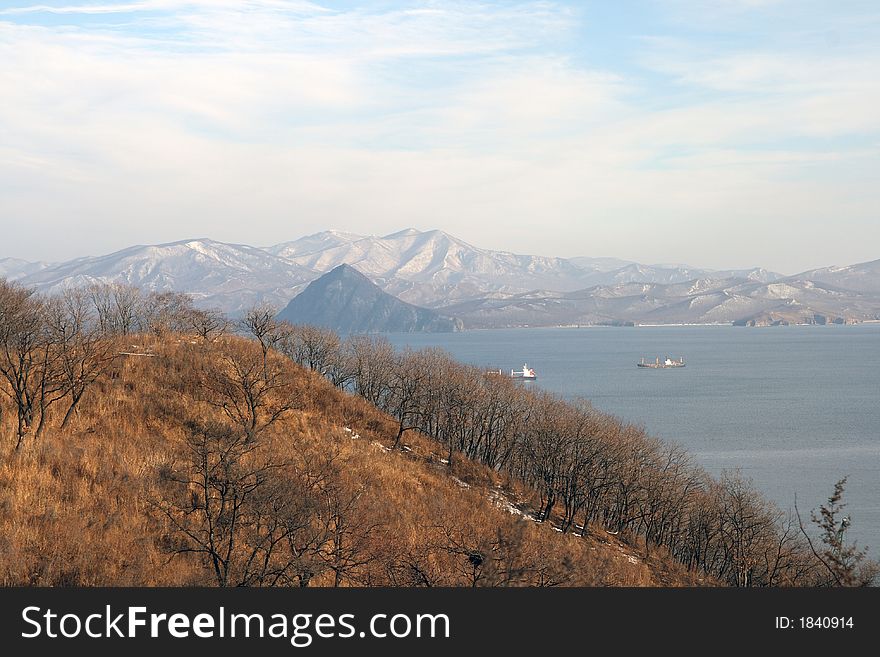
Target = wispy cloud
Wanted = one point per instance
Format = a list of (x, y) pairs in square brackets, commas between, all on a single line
[(162, 5), (256, 121), (80, 9)]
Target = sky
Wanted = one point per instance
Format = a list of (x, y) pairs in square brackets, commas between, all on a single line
[(722, 133)]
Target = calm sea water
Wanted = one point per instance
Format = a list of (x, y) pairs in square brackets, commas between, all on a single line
[(793, 408)]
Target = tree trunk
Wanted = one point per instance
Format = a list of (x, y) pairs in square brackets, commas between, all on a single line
[(400, 432), (70, 412), (24, 425), (41, 425)]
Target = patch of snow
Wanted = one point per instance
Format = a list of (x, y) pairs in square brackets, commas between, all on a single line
[(500, 500), (781, 291)]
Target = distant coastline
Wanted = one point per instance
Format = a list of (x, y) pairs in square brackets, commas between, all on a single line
[(634, 325)]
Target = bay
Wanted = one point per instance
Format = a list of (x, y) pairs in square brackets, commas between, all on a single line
[(793, 408)]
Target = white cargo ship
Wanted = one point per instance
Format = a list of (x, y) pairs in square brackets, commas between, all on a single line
[(526, 373), (658, 364)]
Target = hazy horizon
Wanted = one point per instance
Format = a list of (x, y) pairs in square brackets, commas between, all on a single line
[(651, 130)]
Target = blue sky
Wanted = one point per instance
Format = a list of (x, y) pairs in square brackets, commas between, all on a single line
[(724, 133)]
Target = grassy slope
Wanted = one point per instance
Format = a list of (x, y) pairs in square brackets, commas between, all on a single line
[(79, 508)]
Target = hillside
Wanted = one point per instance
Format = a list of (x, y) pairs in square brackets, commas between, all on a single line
[(346, 301), (98, 503)]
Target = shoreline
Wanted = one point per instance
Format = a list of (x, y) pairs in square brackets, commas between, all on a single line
[(671, 325)]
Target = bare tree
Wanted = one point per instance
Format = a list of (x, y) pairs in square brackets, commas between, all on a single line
[(220, 479), (21, 339), (166, 312), (252, 389), (371, 359), (350, 531), (259, 519), (405, 390), (85, 352), (260, 323), (209, 325), (315, 348), (118, 307), (57, 335)]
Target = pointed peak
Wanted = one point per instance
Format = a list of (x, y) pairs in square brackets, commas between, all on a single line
[(406, 232), (344, 270)]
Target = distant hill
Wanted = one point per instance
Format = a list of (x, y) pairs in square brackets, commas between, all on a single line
[(347, 301), (702, 301), (14, 268)]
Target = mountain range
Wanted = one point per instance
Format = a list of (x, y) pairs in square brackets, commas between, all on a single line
[(482, 287)]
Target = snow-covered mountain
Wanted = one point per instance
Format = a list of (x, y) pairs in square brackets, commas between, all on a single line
[(428, 269), (485, 287), (228, 276), (432, 268)]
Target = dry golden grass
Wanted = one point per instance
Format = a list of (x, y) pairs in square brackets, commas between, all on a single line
[(80, 507)]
